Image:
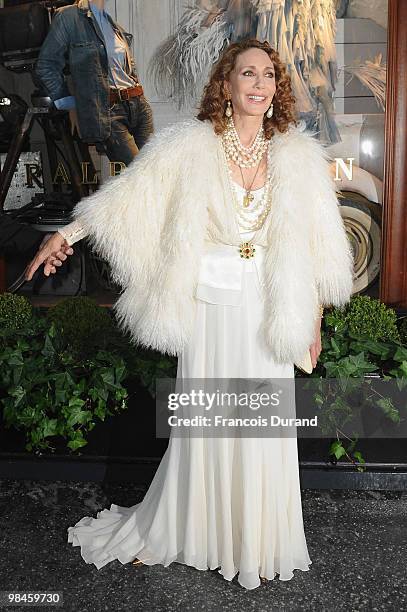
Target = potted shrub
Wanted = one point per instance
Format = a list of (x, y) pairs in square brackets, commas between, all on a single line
[(64, 370), (52, 386), (359, 341)]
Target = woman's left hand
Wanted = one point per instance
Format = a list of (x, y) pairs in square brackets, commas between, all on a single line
[(316, 347)]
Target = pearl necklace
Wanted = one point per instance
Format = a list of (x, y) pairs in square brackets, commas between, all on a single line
[(263, 205), (244, 157)]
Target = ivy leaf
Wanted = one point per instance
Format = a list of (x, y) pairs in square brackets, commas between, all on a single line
[(335, 347), (360, 364), (100, 410), (52, 331), (48, 349), (76, 402), (120, 373), (77, 441), (102, 393), (351, 365), (17, 373), (401, 383), (400, 354), (22, 345), (31, 415), (61, 396), (49, 427), (337, 449), (121, 394), (401, 372), (15, 358), (79, 417), (63, 380), (19, 394), (108, 377), (375, 347), (80, 387), (358, 456), (389, 409), (403, 368)]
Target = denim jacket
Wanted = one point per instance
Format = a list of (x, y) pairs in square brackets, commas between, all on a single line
[(75, 40)]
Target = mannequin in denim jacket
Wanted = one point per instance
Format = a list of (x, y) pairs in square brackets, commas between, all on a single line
[(100, 60)]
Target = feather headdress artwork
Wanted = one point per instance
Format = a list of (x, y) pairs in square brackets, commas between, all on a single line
[(302, 31), (372, 74)]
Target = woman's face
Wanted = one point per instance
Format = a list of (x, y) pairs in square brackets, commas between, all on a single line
[(251, 84)]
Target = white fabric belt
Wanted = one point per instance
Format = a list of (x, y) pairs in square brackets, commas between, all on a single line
[(221, 271)]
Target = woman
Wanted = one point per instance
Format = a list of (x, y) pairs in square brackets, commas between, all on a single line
[(108, 106), (226, 235)]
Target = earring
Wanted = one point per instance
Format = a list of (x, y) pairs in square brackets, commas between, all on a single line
[(229, 111), (269, 113)]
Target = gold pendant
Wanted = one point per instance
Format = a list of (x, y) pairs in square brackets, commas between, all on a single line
[(247, 199), (247, 250)]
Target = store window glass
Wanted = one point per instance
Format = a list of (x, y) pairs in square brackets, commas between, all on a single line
[(359, 107)]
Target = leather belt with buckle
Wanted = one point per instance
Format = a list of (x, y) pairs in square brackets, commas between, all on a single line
[(118, 95)]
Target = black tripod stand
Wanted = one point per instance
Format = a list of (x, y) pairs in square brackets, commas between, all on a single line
[(55, 125), (49, 211)]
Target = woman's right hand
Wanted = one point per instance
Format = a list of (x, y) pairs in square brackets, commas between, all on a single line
[(52, 252)]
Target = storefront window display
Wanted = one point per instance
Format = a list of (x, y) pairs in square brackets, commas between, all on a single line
[(335, 52)]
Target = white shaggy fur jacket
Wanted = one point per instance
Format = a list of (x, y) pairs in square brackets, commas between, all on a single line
[(151, 222)]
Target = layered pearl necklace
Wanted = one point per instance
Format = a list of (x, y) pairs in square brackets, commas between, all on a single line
[(244, 157), (262, 206), (245, 220)]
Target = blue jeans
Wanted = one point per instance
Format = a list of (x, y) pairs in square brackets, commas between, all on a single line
[(132, 125)]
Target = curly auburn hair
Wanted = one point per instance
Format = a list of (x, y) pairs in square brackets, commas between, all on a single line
[(214, 98)]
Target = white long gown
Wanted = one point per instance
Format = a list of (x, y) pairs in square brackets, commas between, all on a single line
[(227, 503)]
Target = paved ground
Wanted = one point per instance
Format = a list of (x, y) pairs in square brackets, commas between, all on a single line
[(357, 541)]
